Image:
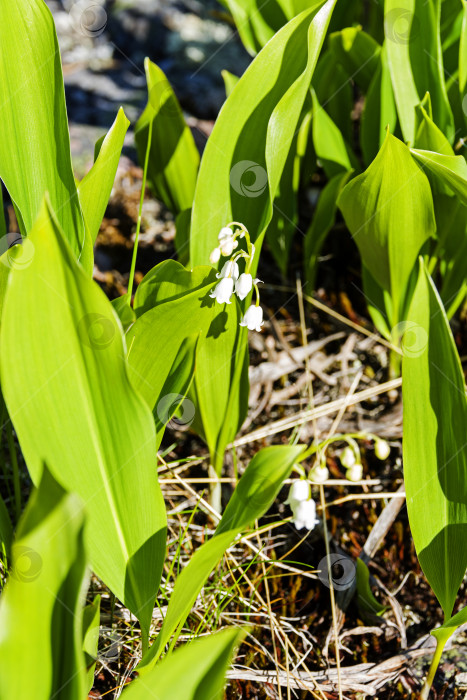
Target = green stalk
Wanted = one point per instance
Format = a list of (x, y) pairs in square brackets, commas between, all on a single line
[(440, 644), (140, 213)]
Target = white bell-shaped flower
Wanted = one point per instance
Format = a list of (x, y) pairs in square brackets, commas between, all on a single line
[(223, 291), (229, 269), (304, 514), (354, 473), (215, 256), (243, 285), (382, 449), (227, 243), (299, 491), (347, 457), (253, 318)]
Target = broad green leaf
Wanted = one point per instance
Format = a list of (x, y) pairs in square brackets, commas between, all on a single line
[(416, 63), (124, 311), (91, 620), (178, 305), (35, 144), (246, 153), (392, 190), (323, 220), (358, 53), (98, 433), (463, 59), (435, 451), (95, 188), (378, 302), (330, 147), (257, 24), (41, 653), (379, 111), (196, 671), (452, 170), (173, 157), (259, 486), (252, 497)]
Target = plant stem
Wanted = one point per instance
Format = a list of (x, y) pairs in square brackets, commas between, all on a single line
[(440, 644), (140, 213)]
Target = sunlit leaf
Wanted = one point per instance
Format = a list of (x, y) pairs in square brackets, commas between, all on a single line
[(435, 450), (41, 654), (35, 144), (99, 433)]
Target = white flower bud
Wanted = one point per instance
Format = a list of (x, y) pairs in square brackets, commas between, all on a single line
[(223, 291), (354, 473), (253, 318), (347, 457), (215, 256), (319, 474), (227, 246), (382, 449)]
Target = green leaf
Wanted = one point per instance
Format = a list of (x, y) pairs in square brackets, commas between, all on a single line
[(451, 170), (330, 147), (259, 486), (435, 451), (450, 625), (230, 81), (379, 110), (366, 601), (73, 407), (257, 24), (358, 53), (95, 188), (415, 59), (428, 136), (207, 659), (391, 190), (91, 620), (323, 220), (246, 153), (35, 144), (463, 59), (40, 608), (334, 92), (252, 497), (173, 158)]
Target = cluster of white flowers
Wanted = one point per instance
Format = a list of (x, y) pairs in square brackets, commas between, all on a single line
[(302, 505), (231, 280)]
